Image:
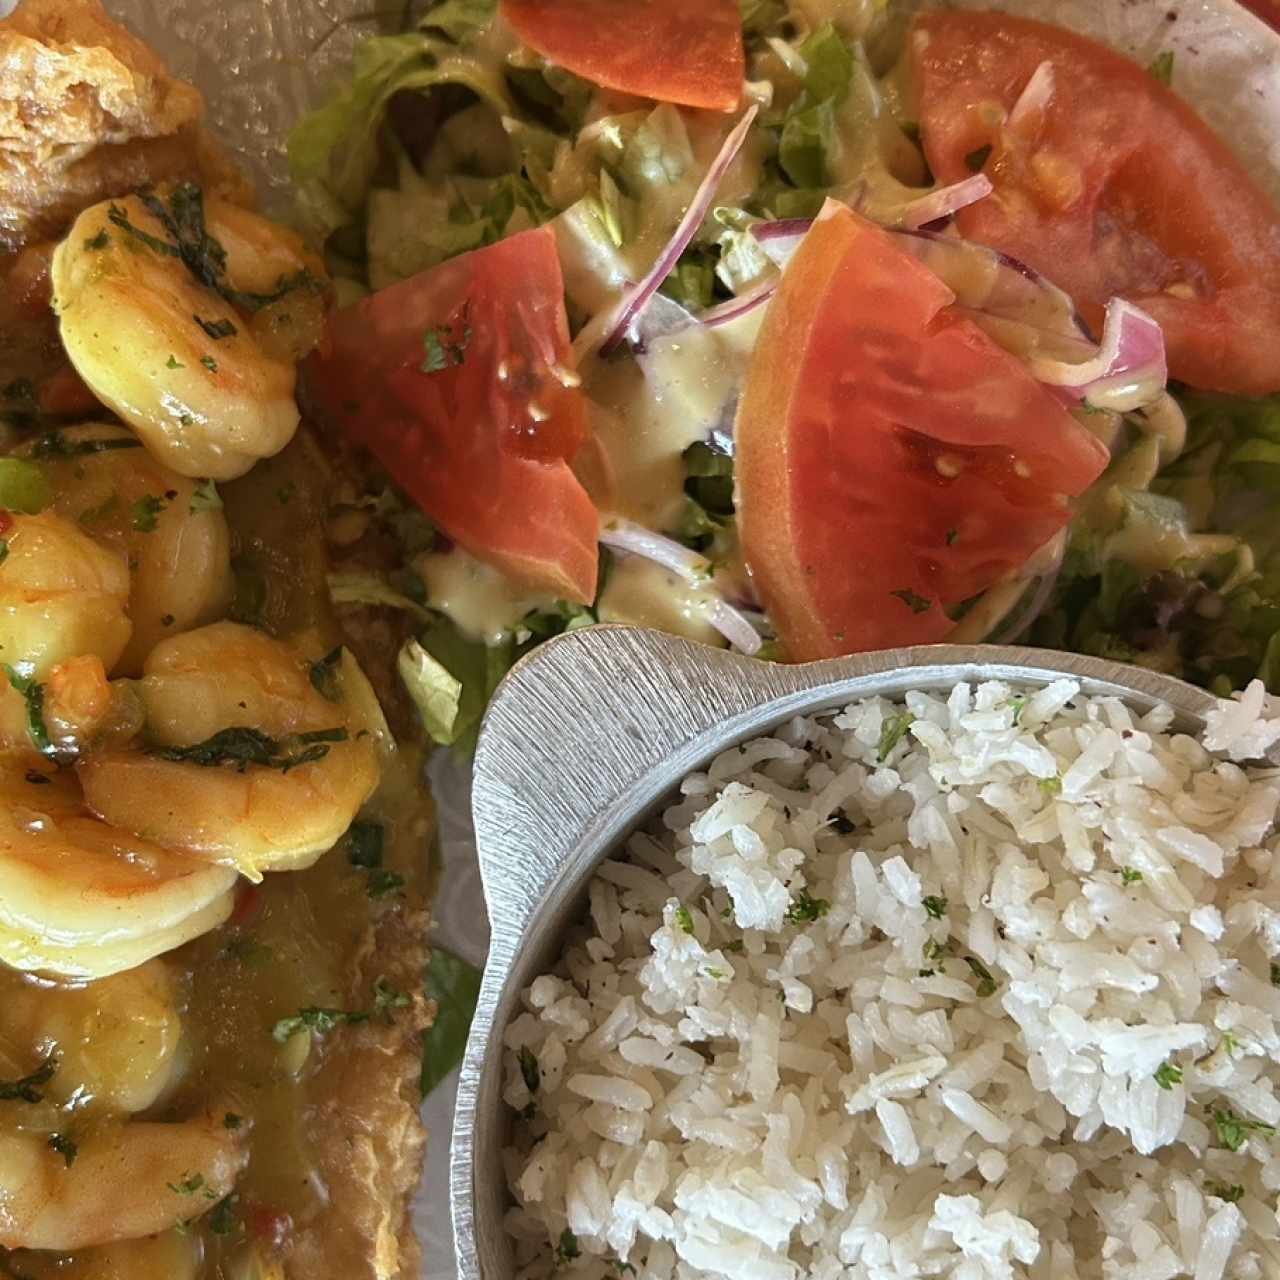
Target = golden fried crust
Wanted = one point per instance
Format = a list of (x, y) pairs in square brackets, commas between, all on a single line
[(88, 111), (364, 1122)]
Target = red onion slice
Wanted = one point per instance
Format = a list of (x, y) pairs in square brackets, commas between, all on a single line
[(638, 295), (1034, 98), (1128, 370), (731, 309), (945, 201), (634, 539)]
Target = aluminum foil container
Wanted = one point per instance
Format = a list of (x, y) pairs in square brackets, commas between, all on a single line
[(608, 721)]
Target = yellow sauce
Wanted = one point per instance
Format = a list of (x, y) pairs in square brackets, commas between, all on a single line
[(645, 594), (481, 603)]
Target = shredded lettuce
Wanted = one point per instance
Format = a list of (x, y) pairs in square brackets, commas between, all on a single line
[(334, 151), (1188, 581), (435, 692)]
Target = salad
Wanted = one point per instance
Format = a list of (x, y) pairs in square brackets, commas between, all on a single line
[(801, 327)]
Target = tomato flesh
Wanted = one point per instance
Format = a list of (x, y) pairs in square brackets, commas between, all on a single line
[(683, 51), (892, 460), (1114, 188), (460, 382)]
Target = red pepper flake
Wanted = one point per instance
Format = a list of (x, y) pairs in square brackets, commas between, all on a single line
[(269, 1225)]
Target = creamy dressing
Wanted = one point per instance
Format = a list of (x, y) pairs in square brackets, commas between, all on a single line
[(480, 602), (645, 594), (646, 415)]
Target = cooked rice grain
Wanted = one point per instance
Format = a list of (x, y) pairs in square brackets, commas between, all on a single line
[(986, 992)]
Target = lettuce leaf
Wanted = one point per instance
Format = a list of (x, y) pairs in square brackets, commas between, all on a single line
[(435, 692), (1210, 618), (455, 987), (334, 150), (459, 19)]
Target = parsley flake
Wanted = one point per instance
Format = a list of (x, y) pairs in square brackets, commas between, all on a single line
[(567, 1248), (986, 979), (917, 604), (529, 1069), (209, 363), (1233, 1130), (1129, 876), (173, 362), (27, 1089), (146, 512), (684, 919), (33, 694), (935, 906), (64, 1146), (242, 747), (1168, 1074), (804, 909), (892, 732), (216, 329)]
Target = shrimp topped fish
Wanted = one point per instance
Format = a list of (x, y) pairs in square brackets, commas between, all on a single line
[(212, 848)]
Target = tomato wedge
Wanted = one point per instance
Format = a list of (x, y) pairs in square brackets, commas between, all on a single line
[(892, 461), (684, 51), (459, 381), (1114, 186)]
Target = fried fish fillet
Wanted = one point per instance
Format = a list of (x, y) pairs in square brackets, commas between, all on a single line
[(86, 111)]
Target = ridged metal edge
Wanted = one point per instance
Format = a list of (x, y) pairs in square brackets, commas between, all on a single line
[(583, 741)]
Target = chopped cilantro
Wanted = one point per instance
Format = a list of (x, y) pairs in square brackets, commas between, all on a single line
[(216, 329), (53, 444), (189, 1185), (173, 363), (805, 909), (242, 747), (146, 512), (567, 1248), (382, 882), (986, 979), (324, 675), (313, 1018), (1129, 876), (364, 844), (205, 497), (98, 242), (917, 604), (1161, 67), (1051, 786), (684, 919), (232, 1121), (1233, 1130), (529, 1069), (442, 350), (222, 1220), (935, 906), (27, 1089), (1231, 1194), (891, 733), (1167, 1075), (64, 1146), (209, 363), (33, 694)]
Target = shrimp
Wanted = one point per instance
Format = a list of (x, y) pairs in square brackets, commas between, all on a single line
[(204, 374), (83, 899), (258, 763), (130, 1178), (115, 1041), (63, 597), (171, 529)]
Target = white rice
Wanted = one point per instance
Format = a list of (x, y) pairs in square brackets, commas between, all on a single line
[(998, 1004)]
